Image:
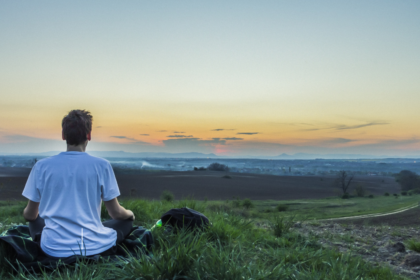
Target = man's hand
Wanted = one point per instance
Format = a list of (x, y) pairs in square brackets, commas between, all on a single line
[(30, 213), (132, 218), (117, 212)]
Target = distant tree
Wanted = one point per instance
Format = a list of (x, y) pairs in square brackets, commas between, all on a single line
[(218, 167), (360, 190), (247, 203), (167, 196), (408, 180), (343, 181)]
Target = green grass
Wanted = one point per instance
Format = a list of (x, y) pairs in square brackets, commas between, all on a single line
[(413, 245), (232, 248)]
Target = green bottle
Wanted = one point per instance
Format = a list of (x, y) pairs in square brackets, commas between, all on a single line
[(158, 224)]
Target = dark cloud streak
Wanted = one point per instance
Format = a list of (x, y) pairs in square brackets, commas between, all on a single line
[(247, 133), (233, 138), (344, 127)]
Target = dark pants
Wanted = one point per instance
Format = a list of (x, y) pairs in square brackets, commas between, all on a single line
[(122, 227)]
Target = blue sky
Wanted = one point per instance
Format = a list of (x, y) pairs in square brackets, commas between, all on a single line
[(293, 71)]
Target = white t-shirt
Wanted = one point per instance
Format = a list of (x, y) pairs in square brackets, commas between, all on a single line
[(70, 187)]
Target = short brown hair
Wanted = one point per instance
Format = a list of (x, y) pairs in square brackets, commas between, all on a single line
[(76, 125)]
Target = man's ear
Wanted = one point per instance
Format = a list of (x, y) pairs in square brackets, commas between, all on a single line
[(62, 136), (89, 136)]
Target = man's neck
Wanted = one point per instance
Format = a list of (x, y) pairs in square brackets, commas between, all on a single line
[(77, 148)]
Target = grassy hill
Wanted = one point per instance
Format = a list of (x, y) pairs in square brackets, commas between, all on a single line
[(234, 247)]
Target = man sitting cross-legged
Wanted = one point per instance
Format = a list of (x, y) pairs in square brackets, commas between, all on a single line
[(67, 190)]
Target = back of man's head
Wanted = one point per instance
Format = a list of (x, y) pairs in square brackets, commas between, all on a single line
[(76, 126)]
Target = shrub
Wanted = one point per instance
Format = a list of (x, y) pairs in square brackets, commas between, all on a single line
[(403, 193), (218, 167), (247, 203), (386, 194), (236, 202), (281, 207), (345, 196), (360, 190), (408, 180), (199, 169), (396, 195), (414, 191), (371, 196), (413, 245), (282, 225), (167, 196)]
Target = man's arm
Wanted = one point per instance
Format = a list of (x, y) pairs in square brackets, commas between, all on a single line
[(30, 213), (117, 212)]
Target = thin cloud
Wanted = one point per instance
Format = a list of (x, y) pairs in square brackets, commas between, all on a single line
[(179, 131), (179, 136), (98, 127), (162, 131), (344, 127), (144, 134), (222, 129), (247, 133), (331, 141), (128, 138), (194, 141)]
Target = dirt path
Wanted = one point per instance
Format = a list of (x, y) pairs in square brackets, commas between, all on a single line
[(374, 215)]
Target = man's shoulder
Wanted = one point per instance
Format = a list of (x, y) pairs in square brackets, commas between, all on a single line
[(99, 160), (83, 157)]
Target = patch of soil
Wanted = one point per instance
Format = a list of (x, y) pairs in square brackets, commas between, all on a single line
[(211, 185), (379, 245)]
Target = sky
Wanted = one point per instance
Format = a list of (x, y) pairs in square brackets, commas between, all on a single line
[(234, 78)]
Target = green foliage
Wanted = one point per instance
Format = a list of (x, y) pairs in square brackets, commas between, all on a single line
[(281, 207), (403, 193), (219, 207), (167, 196), (12, 211), (345, 196), (232, 248), (282, 225), (414, 191), (413, 245), (247, 203), (386, 194), (236, 202), (371, 196)]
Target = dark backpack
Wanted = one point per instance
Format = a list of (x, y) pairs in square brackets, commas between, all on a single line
[(184, 217)]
